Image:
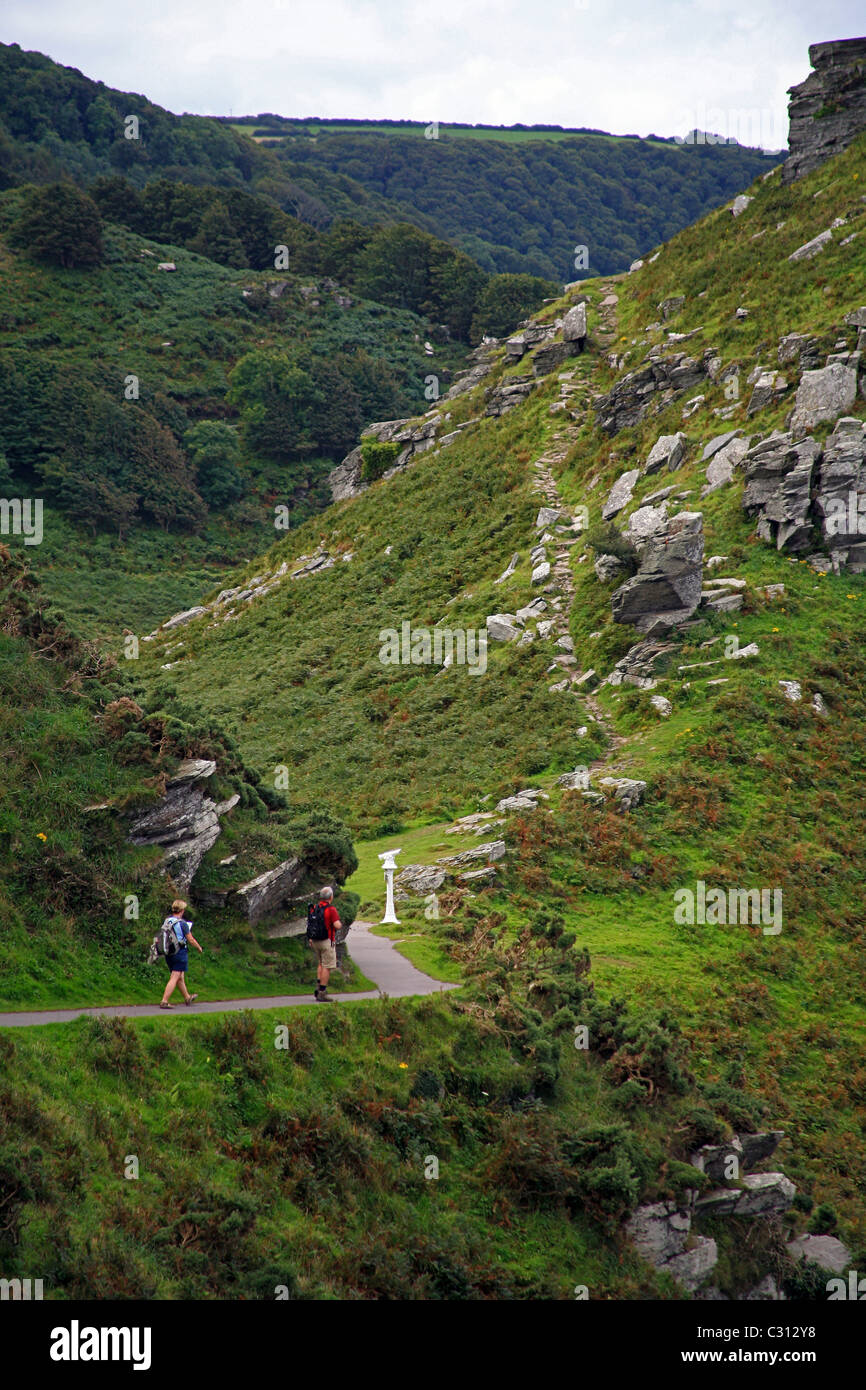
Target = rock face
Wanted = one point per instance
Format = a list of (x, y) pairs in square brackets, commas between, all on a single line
[(828, 109), (184, 823), (825, 1251), (419, 880), (667, 588), (778, 483), (660, 1231), (659, 380), (840, 498)]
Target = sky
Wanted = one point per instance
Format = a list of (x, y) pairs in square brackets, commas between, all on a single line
[(627, 66)]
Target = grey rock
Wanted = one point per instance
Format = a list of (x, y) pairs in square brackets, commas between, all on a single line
[(667, 587), (269, 891), (778, 486), (646, 522), (765, 1194), (663, 706), (607, 567), (507, 573), (668, 451), (547, 516), (671, 306), (180, 619), (827, 110), (659, 1231), (740, 203), (824, 394), (479, 877), (491, 850), (532, 610), (840, 497), (574, 324), (503, 627), (694, 1265), (825, 1251), (420, 879), (552, 355), (767, 1291), (768, 388), (620, 494), (541, 572), (813, 247), (575, 781), (627, 792)]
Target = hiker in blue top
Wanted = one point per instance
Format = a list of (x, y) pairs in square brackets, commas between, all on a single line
[(178, 960)]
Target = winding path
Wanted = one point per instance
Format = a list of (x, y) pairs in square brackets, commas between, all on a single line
[(375, 957)]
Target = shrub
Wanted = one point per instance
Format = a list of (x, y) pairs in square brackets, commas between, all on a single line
[(377, 458)]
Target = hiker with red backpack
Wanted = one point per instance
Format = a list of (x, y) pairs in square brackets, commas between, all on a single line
[(323, 923), (174, 934)]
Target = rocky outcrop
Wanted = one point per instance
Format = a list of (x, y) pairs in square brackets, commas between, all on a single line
[(345, 480), (840, 496), (657, 382), (667, 587), (184, 824), (508, 395), (663, 1232), (828, 109), (417, 880), (483, 359), (778, 484)]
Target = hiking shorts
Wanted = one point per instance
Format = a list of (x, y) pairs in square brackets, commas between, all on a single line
[(327, 953), (178, 961)]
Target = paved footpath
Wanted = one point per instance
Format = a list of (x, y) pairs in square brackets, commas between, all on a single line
[(375, 957)]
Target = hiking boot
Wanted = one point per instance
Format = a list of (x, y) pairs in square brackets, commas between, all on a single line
[(323, 997)]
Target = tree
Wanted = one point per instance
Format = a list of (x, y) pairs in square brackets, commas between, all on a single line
[(216, 238), (215, 454), (278, 401), (505, 300), (59, 223)]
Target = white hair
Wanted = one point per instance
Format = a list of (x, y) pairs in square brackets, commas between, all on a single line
[(326, 893)]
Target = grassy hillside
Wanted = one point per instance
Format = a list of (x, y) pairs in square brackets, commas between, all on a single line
[(744, 788)]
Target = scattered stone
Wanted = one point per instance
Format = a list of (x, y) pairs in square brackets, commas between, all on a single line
[(792, 690), (506, 574), (752, 649), (503, 627), (819, 705), (420, 879), (671, 306), (663, 706), (811, 248), (547, 516), (541, 572), (740, 203), (627, 792), (620, 494), (668, 451)]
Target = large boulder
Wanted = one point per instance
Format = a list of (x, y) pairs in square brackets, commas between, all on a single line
[(667, 587), (574, 324), (419, 879), (503, 627), (823, 395), (778, 487)]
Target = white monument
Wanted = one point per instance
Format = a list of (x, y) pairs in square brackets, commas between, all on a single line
[(389, 865)]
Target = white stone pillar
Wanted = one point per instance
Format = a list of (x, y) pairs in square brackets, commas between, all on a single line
[(389, 865)]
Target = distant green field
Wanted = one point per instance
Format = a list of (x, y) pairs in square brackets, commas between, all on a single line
[(505, 134)]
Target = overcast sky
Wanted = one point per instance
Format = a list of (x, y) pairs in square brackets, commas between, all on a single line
[(639, 66)]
